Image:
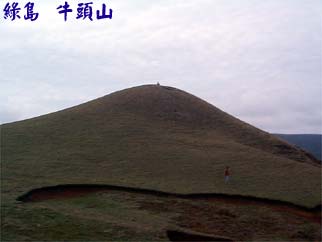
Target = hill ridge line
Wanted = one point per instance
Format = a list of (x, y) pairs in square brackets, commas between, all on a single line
[(31, 196)]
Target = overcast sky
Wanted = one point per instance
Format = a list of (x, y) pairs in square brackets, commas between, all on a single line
[(257, 60)]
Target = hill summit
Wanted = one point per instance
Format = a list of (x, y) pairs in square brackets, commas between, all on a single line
[(181, 109), (155, 137)]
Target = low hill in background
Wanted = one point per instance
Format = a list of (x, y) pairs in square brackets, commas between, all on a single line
[(309, 142), (154, 137)]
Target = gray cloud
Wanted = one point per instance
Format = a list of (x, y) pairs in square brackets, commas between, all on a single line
[(258, 60)]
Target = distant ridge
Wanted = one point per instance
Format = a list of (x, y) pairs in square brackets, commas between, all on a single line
[(309, 142)]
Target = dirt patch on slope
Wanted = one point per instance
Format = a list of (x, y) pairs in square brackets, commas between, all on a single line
[(70, 191), (208, 215)]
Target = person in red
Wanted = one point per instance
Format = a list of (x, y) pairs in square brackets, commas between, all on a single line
[(227, 174)]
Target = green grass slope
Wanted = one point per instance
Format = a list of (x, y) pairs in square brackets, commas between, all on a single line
[(158, 138)]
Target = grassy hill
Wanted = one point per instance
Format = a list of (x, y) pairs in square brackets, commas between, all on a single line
[(154, 137), (157, 138), (310, 142)]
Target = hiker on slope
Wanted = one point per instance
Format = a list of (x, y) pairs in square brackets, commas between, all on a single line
[(227, 174)]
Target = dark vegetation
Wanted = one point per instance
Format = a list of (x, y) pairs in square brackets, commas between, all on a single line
[(175, 235)]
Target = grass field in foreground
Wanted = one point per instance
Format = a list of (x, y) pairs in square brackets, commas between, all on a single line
[(122, 216)]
